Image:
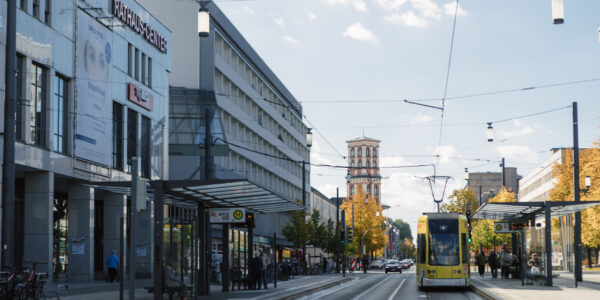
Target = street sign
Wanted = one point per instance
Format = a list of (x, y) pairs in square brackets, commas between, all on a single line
[(502, 227), (228, 215)]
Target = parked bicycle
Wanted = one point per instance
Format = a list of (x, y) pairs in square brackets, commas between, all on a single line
[(11, 283), (34, 285)]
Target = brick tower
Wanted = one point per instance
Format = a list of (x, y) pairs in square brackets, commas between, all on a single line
[(363, 160)]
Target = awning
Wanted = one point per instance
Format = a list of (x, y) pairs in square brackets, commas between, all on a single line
[(520, 211), (212, 193)]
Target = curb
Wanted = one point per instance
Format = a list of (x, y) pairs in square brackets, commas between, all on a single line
[(316, 289), (482, 293)]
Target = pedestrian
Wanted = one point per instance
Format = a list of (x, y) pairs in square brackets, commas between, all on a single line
[(481, 262), (365, 263), (506, 262), (257, 267), (324, 265), (113, 266), (493, 262), (171, 280), (265, 264)]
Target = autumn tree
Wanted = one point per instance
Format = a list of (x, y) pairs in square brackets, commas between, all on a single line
[(458, 201), (366, 215), (589, 165)]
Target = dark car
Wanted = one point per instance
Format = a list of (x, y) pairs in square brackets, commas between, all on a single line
[(393, 266)]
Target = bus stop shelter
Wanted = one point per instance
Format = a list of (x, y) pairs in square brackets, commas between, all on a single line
[(527, 213), (201, 195)]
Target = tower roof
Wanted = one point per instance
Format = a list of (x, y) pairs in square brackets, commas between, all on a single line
[(363, 138)]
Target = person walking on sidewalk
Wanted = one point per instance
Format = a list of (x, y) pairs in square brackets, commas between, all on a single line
[(365, 263), (257, 267), (481, 262), (113, 266), (506, 262), (493, 262), (265, 263)]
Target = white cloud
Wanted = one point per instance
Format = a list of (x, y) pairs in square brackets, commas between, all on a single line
[(408, 19), (392, 161), (518, 130), (279, 21), (360, 33), (427, 8), (448, 154), (450, 7), (290, 39), (311, 16), (517, 153), (390, 4), (248, 10), (328, 189), (358, 5), (315, 156), (421, 118)]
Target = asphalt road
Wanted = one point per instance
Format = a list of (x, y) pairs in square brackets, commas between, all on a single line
[(378, 285)]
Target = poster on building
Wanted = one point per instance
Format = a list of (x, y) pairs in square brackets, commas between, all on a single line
[(78, 246), (93, 95), (141, 249)]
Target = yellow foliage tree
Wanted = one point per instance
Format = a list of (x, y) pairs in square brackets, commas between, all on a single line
[(366, 215), (589, 165)]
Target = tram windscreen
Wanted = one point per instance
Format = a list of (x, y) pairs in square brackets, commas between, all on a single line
[(443, 242)]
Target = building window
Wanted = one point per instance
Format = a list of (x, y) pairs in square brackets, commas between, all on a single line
[(131, 136), (149, 72), (367, 152), (352, 152), (376, 190), (145, 147), (360, 163), (368, 164), (36, 8), (136, 65), (37, 123), (368, 189), (60, 110), (19, 93), (22, 5), (144, 74), (374, 152), (130, 60), (351, 190), (359, 151), (374, 164), (353, 164), (117, 149), (47, 11)]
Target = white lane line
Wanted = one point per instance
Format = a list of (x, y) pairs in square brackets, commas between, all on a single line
[(396, 290), (371, 288), (328, 291), (302, 286)]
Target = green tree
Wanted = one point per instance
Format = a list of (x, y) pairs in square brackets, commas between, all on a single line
[(404, 229), (298, 230)]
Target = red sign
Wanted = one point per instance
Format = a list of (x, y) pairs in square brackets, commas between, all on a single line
[(141, 97)]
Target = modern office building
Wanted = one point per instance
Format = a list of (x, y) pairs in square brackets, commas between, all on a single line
[(92, 92), (363, 162), (256, 124), (486, 185), (536, 185)]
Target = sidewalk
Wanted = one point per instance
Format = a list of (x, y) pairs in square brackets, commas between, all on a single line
[(564, 287), (100, 290)]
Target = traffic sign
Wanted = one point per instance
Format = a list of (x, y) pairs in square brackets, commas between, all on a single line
[(228, 215), (502, 227)]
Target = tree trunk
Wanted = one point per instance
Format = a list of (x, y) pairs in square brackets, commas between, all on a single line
[(589, 256)]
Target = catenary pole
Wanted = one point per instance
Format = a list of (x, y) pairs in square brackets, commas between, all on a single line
[(8, 159), (576, 192)]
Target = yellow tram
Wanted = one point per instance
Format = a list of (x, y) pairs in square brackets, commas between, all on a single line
[(442, 251)]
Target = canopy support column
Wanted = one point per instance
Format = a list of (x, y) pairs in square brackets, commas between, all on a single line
[(548, 240)]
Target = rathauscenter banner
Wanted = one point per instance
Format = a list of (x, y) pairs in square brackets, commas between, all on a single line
[(94, 109)]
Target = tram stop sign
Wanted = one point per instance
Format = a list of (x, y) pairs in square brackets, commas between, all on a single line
[(228, 215), (503, 227)]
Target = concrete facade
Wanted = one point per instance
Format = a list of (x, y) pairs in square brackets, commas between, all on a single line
[(63, 223), (256, 123), (486, 185)]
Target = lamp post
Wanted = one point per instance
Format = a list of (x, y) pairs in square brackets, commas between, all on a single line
[(576, 192), (308, 145), (490, 132), (558, 11)]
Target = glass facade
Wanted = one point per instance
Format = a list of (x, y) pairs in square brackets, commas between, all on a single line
[(60, 110), (37, 108)]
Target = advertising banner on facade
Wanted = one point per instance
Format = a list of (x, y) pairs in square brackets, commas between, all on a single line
[(94, 108)]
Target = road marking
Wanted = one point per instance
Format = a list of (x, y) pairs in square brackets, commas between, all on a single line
[(373, 287), (397, 289), (326, 292)]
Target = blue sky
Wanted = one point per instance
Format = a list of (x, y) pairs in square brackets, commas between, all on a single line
[(373, 50)]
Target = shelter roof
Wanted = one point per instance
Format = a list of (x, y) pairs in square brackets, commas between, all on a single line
[(520, 211)]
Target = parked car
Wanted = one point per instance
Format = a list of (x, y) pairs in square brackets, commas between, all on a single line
[(393, 266), (377, 264)]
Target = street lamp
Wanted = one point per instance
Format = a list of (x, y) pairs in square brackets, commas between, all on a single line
[(588, 182), (367, 199), (490, 132), (309, 137), (558, 11), (203, 19)]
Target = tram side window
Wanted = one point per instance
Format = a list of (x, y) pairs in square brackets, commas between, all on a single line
[(464, 248), (422, 248)]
